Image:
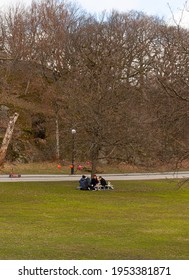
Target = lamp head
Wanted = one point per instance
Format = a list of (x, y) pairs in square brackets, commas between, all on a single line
[(73, 131)]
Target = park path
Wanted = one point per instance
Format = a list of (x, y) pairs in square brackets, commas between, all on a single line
[(108, 177)]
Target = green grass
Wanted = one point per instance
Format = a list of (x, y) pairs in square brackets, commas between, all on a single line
[(138, 220)]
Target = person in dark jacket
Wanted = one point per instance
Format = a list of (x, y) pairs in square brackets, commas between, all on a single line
[(102, 181), (83, 183), (94, 182)]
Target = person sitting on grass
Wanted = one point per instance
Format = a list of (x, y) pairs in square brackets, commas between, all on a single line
[(102, 181), (94, 182), (83, 183)]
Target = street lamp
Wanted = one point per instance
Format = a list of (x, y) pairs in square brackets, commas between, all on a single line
[(73, 131)]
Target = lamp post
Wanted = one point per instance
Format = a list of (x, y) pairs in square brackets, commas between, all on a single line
[(73, 131)]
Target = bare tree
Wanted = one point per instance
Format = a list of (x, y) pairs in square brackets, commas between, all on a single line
[(120, 79)]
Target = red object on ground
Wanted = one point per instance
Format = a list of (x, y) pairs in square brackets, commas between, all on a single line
[(80, 167), (12, 175)]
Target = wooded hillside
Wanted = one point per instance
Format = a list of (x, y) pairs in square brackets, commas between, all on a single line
[(121, 80)]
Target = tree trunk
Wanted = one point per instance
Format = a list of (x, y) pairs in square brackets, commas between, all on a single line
[(94, 158), (57, 140), (7, 137)]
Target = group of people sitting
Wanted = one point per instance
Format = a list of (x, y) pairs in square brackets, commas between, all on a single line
[(96, 183)]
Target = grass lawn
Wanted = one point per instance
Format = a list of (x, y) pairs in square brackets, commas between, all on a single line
[(137, 220)]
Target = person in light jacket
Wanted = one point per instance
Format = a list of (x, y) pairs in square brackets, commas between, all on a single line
[(83, 183)]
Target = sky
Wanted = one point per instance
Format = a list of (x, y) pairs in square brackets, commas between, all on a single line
[(160, 8)]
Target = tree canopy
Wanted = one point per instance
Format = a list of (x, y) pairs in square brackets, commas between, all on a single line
[(119, 79)]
